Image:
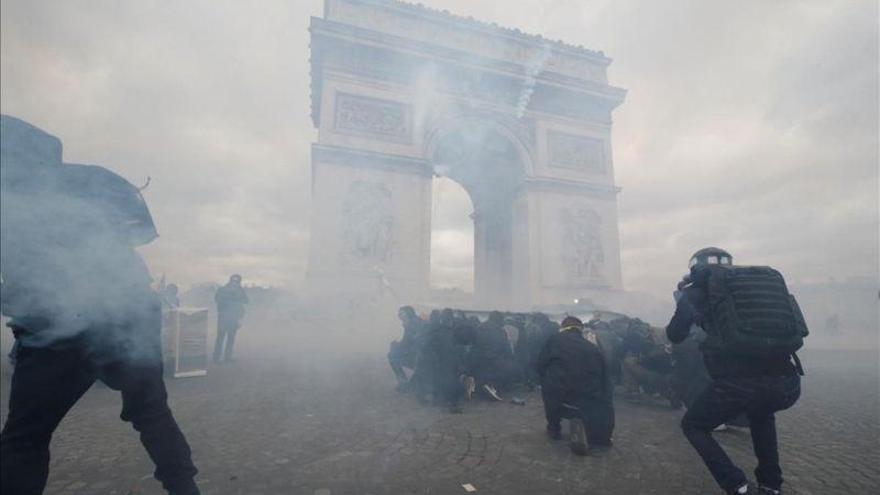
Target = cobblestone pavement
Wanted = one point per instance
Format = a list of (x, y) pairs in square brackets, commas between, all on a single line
[(302, 426)]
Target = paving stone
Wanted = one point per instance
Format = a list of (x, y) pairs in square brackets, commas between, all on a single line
[(303, 426)]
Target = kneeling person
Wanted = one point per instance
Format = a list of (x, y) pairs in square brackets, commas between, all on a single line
[(575, 384)]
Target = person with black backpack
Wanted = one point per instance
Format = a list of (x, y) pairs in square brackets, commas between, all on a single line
[(753, 328)]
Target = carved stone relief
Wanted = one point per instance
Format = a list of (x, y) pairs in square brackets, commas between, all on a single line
[(581, 153), (367, 222), (379, 118), (582, 252)]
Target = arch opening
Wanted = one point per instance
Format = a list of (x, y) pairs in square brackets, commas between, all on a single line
[(452, 240), (488, 167)]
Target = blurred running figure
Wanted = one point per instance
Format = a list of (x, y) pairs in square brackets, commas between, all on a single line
[(231, 300)]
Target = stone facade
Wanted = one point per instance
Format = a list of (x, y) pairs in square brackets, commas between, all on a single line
[(400, 93)]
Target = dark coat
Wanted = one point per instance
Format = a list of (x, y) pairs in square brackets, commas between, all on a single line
[(572, 368), (230, 300)]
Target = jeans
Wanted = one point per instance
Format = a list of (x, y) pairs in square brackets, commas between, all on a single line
[(724, 399), (48, 381), (597, 416)]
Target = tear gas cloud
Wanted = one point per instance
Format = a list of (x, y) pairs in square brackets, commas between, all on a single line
[(752, 126)]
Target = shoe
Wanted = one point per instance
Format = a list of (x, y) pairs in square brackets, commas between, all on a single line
[(577, 439), (721, 427), (766, 490), (554, 433), (492, 392), (742, 490)]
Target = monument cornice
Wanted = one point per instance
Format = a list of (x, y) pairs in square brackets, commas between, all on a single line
[(339, 155), (490, 29), (330, 37), (339, 31)]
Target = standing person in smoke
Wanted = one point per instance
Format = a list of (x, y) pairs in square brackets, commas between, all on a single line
[(80, 306), (231, 300), (575, 384), (405, 352), (753, 329)]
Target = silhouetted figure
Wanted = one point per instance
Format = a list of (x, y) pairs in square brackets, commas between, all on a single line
[(442, 358), (81, 308), (575, 384), (231, 300), (405, 352), (753, 327)]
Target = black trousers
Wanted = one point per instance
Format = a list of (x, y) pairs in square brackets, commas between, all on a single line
[(225, 335), (400, 357), (725, 399), (48, 381), (596, 414)]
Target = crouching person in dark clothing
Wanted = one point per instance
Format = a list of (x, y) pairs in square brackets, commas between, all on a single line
[(752, 376), (404, 353), (443, 357), (575, 384)]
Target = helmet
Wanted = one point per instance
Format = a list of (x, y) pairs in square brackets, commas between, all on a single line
[(711, 256)]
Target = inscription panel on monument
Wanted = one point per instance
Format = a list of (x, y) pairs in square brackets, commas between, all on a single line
[(574, 152), (373, 117)]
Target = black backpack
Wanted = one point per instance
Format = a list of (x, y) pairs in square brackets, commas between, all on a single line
[(751, 312)]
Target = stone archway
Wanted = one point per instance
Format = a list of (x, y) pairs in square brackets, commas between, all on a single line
[(485, 161), (401, 93)]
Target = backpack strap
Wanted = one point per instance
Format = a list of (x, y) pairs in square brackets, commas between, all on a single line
[(797, 364)]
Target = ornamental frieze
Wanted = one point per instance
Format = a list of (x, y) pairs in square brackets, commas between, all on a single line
[(373, 116), (582, 153)]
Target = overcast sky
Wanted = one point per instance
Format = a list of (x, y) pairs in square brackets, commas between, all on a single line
[(748, 125)]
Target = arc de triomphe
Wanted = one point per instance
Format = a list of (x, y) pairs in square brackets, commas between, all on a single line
[(401, 93)]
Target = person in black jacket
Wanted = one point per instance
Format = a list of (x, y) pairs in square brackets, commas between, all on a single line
[(442, 360), (757, 387), (80, 306), (231, 300), (405, 352), (491, 360), (575, 383)]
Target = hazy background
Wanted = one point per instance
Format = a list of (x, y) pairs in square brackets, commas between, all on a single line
[(748, 125)]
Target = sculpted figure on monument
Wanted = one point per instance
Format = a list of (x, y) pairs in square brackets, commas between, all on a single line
[(583, 254), (368, 221)]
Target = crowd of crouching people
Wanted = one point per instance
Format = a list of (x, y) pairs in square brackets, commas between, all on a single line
[(454, 356)]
